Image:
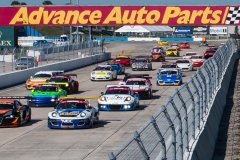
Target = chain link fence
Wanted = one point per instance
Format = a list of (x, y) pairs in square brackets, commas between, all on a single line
[(46, 55), (171, 132)]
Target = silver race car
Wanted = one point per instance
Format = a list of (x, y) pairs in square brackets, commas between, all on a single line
[(141, 64)]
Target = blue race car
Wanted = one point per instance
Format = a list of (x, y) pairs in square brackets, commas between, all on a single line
[(169, 76), (46, 95), (41, 43), (73, 113), (117, 67)]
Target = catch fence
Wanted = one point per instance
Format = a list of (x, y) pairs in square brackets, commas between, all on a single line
[(172, 131)]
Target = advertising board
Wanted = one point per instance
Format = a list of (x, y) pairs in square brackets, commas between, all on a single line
[(118, 15), (182, 30), (200, 30), (218, 30), (7, 37)]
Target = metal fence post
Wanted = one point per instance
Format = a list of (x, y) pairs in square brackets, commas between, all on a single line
[(161, 139), (172, 132), (204, 92), (140, 145), (170, 99), (185, 118)]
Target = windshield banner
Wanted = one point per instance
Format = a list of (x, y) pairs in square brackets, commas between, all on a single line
[(119, 15)]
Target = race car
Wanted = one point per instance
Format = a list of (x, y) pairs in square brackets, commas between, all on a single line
[(169, 76), (123, 59), (209, 53), (118, 98), (141, 64), (40, 77), (12, 112), (149, 58), (117, 67), (66, 82), (169, 65), (189, 55), (175, 45), (128, 76), (184, 45), (46, 95), (197, 60), (103, 72), (203, 43), (211, 47), (185, 64), (172, 52), (158, 54), (162, 43), (73, 113), (141, 86)]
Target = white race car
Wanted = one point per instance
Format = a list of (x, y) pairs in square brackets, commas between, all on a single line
[(103, 72), (118, 98), (189, 55), (185, 64)]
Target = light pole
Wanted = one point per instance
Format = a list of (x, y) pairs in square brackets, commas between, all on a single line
[(77, 26), (71, 39)]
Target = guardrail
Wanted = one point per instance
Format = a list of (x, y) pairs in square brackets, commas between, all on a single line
[(47, 55), (173, 131)]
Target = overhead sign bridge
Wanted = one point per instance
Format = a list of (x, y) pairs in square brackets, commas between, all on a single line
[(119, 15)]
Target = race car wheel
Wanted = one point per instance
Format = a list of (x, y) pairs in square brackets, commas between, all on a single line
[(30, 115), (91, 123), (149, 95), (96, 119), (157, 84)]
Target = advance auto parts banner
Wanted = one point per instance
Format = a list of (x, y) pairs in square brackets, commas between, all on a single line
[(118, 15)]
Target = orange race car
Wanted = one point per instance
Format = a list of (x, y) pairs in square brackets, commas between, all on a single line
[(184, 45), (40, 77), (12, 112)]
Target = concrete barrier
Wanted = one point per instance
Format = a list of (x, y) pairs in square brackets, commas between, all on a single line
[(18, 77), (7, 58), (143, 39), (204, 147)]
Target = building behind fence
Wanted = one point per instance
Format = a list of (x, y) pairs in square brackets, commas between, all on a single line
[(173, 130)]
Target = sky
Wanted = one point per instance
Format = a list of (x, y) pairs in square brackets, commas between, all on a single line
[(128, 2)]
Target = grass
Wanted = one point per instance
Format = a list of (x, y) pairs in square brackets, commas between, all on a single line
[(49, 30)]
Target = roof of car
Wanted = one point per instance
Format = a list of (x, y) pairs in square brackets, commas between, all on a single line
[(48, 72), (136, 79), (105, 66), (122, 56)]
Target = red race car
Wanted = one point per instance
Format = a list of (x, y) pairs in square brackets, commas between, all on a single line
[(66, 82), (197, 60), (208, 53), (184, 45), (123, 60)]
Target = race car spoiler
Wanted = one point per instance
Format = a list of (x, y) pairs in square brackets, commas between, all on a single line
[(108, 86), (75, 75), (15, 97), (128, 74)]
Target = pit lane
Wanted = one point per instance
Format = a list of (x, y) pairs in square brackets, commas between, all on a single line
[(35, 141)]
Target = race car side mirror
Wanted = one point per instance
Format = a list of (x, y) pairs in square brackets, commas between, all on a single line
[(31, 77), (102, 93)]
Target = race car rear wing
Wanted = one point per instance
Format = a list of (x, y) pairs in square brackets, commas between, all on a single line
[(128, 74), (15, 97), (108, 86)]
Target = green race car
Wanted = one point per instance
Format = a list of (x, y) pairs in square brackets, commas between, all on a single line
[(46, 95)]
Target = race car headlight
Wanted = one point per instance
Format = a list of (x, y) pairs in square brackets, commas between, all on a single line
[(9, 117), (178, 76), (146, 89), (128, 99), (93, 73), (82, 114), (159, 76), (109, 73), (66, 85), (54, 114), (103, 99), (53, 100)]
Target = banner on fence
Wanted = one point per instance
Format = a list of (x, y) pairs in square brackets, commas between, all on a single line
[(200, 30), (182, 30), (8, 37), (119, 15)]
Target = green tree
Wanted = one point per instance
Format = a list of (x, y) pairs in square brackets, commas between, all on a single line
[(23, 3), (47, 2), (15, 3)]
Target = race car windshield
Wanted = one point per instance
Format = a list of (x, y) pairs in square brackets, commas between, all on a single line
[(140, 61), (122, 58), (42, 76), (102, 68), (189, 54), (46, 89), (171, 50), (71, 105), (58, 79), (197, 57), (169, 66), (156, 53), (182, 61), (118, 91), (168, 72), (136, 83), (6, 106)]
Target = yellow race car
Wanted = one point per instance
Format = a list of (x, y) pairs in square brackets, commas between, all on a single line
[(162, 43), (172, 52)]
